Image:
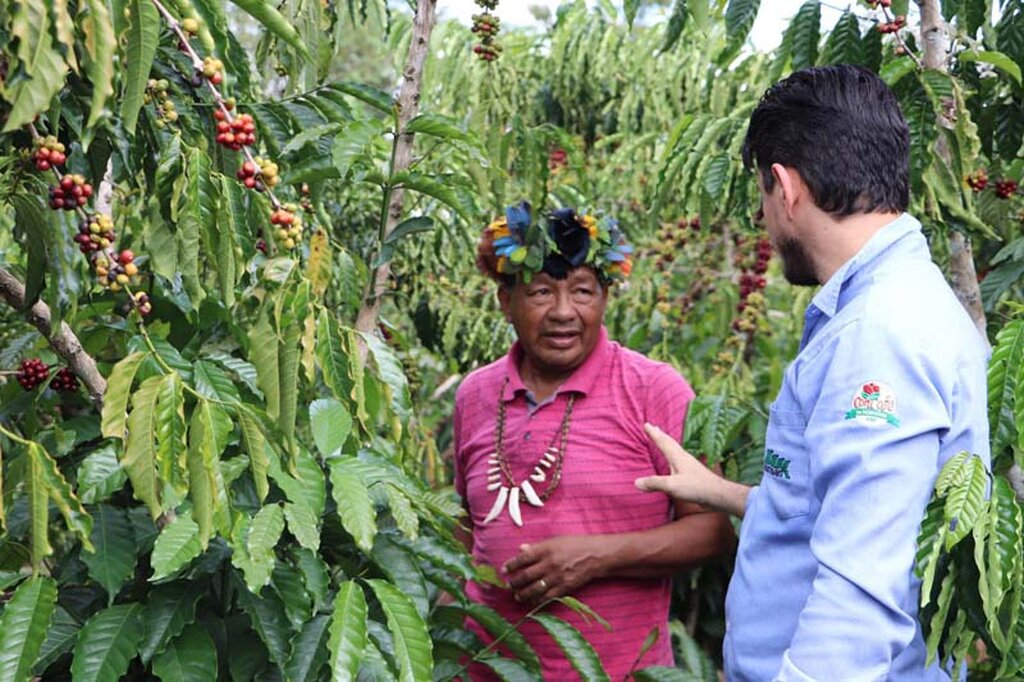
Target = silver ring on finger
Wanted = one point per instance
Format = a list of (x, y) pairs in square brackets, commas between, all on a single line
[(543, 584)]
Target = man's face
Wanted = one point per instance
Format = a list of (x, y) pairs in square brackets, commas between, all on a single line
[(796, 261), (558, 322)]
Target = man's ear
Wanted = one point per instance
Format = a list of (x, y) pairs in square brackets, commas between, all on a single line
[(792, 186), (505, 300)]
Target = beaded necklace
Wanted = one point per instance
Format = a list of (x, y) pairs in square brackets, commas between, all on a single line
[(499, 473)]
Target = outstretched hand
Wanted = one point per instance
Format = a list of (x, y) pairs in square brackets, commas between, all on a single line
[(690, 480)]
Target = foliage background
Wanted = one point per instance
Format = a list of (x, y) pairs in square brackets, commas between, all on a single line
[(264, 492)]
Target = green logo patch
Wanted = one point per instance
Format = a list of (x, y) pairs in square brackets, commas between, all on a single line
[(775, 464)]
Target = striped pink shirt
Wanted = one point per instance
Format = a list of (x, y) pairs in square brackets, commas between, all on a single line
[(617, 391)]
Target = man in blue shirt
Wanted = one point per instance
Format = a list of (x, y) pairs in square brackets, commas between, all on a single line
[(889, 384)]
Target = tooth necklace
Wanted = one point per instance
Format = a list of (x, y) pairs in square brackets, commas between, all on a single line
[(549, 468)]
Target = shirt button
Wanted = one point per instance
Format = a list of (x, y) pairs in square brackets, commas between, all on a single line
[(526, 436)]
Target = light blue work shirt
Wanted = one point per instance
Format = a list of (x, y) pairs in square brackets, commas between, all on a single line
[(889, 384)]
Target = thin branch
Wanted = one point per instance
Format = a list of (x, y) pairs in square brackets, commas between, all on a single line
[(408, 106), (63, 340), (218, 98), (899, 39), (962, 274)]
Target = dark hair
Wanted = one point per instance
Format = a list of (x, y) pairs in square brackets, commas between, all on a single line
[(841, 128)]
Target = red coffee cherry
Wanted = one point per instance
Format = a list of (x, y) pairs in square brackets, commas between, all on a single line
[(72, 191), (64, 381), (33, 373)]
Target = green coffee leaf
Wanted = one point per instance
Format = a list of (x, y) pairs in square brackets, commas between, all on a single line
[(177, 544), (107, 643), (119, 390), (114, 559), (23, 627), (191, 656), (412, 645), (348, 631)]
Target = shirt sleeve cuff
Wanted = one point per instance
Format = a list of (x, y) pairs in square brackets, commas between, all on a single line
[(750, 499), (791, 673)]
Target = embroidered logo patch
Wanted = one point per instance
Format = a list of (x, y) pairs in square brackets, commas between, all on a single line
[(874, 404), (775, 464)]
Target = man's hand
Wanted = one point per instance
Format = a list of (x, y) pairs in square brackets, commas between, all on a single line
[(690, 480), (555, 567)]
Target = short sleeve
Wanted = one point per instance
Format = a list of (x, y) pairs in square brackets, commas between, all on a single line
[(668, 398)]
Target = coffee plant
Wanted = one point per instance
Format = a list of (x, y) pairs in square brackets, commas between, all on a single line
[(238, 301)]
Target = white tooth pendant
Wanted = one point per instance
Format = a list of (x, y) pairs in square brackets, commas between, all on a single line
[(531, 494), (513, 507), (538, 475), (493, 485), (499, 504)]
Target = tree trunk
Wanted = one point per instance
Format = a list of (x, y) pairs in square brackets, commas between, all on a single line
[(408, 106), (63, 340), (962, 274)]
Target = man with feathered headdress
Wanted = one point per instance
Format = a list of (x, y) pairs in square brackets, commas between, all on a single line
[(549, 438)]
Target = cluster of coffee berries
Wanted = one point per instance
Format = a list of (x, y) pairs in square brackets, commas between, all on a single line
[(33, 372), (213, 69), (288, 228), (736, 347), (876, 3), (95, 232), (751, 313), (893, 26), (157, 90), (117, 273), (190, 25), (1006, 188), (247, 174), (751, 281), (268, 172), (671, 238), (764, 254), (557, 159), (307, 205), (237, 133), (229, 105), (48, 153), (258, 174), (978, 180), (142, 303), (486, 25), (662, 304), (64, 381), (72, 192)]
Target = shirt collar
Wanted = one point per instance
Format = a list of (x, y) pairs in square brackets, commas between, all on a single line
[(827, 298), (580, 381)]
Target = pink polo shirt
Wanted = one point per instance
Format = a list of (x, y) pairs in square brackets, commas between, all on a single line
[(617, 391)]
